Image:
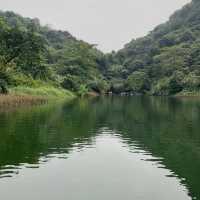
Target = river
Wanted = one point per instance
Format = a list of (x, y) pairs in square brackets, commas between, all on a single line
[(111, 148)]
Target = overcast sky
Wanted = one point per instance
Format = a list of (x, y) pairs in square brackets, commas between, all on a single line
[(108, 23)]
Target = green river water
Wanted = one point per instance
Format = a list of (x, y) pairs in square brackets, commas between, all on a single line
[(117, 148)]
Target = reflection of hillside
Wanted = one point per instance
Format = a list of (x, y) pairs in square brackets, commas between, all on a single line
[(27, 135), (167, 128)]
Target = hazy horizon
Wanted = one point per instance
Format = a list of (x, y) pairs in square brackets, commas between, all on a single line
[(109, 24)]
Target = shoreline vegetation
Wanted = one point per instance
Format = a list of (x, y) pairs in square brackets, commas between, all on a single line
[(19, 100), (26, 96), (48, 92), (188, 94), (38, 61)]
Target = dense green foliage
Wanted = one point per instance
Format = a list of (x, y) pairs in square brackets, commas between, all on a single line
[(30, 52), (165, 62)]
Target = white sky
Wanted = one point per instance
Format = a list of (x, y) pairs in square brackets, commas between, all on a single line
[(108, 23)]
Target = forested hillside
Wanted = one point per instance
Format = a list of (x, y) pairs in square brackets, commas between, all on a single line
[(32, 56), (165, 62)]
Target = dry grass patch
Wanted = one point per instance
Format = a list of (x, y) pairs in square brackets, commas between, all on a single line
[(18, 100)]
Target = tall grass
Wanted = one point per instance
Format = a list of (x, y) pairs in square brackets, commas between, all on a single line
[(43, 91), (22, 95), (15, 101)]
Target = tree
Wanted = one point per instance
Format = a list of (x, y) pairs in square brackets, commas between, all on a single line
[(25, 48), (32, 57), (5, 76), (138, 82), (176, 84), (99, 86)]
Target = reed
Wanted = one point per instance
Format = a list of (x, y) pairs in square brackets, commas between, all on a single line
[(18, 100)]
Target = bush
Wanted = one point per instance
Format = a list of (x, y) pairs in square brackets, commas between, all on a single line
[(169, 85), (191, 81), (138, 82), (176, 84), (3, 87), (99, 86), (71, 83), (161, 87), (117, 87), (83, 90), (4, 80)]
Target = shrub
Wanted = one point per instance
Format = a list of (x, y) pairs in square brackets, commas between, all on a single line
[(83, 90)]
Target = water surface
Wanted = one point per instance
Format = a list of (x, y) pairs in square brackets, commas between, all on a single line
[(140, 148)]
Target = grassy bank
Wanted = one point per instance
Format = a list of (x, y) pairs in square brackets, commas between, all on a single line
[(49, 92), (21, 96), (17, 100)]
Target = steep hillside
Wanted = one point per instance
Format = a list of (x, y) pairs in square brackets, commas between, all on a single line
[(165, 62), (32, 55)]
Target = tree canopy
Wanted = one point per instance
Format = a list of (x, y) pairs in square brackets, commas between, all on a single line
[(165, 62)]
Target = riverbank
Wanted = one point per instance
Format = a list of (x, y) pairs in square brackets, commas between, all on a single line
[(188, 94), (184, 93), (43, 91), (26, 96), (18, 100)]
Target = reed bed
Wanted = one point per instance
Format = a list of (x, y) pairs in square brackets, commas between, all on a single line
[(18, 100)]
